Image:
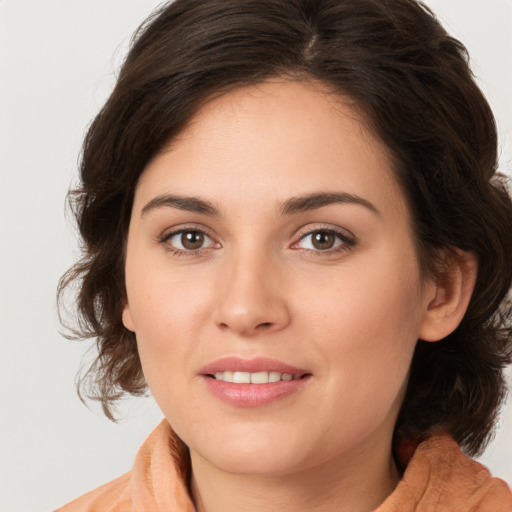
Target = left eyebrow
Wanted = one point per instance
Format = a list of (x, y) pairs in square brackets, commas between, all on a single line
[(318, 200)]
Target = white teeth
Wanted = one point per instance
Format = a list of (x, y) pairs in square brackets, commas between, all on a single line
[(242, 378), (253, 378), (274, 376), (225, 376), (259, 378)]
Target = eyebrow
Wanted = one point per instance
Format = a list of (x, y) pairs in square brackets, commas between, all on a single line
[(291, 206), (318, 200), (189, 204)]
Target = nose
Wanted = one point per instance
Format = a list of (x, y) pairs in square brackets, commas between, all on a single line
[(250, 297)]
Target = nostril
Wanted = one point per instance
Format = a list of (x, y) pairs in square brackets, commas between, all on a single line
[(264, 325)]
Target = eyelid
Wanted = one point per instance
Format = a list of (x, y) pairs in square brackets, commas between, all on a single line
[(176, 230), (347, 238), (344, 235)]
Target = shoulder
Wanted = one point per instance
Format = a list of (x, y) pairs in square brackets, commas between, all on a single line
[(439, 476), (114, 496), (157, 480)]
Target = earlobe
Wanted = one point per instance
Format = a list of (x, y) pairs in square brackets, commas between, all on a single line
[(451, 295), (127, 317)]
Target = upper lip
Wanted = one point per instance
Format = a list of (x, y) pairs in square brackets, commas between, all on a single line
[(253, 365)]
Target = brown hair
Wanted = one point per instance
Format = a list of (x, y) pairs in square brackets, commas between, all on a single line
[(412, 81)]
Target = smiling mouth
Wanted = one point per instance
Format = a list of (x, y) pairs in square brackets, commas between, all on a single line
[(256, 377), (254, 382)]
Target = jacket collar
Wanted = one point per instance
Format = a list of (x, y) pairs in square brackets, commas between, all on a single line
[(438, 478)]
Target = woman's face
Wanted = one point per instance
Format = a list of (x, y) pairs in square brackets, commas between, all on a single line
[(272, 242)]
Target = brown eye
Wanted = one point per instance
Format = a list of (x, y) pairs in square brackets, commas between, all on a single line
[(192, 240), (323, 240), (189, 240)]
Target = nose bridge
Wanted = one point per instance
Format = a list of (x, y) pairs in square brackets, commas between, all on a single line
[(250, 298)]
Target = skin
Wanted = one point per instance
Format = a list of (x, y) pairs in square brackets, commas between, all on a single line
[(258, 286)]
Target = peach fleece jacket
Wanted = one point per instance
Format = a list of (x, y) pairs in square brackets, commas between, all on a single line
[(438, 478)]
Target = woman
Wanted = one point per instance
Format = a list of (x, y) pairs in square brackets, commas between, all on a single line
[(296, 238)]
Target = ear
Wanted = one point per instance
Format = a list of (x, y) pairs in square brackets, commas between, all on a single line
[(127, 317), (450, 295)]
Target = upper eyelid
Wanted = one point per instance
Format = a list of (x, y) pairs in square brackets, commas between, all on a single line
[(347, 239), (165, 238), (168, 232), (308, 230), (299, 234)]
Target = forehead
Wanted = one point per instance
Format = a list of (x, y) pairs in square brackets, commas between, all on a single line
[(269, 141)]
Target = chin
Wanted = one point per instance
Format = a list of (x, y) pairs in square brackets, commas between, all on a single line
[(251, 462), (254, 454)]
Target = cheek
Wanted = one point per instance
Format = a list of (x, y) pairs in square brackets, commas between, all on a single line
[(367, 326), (168, 312), (162, 301)]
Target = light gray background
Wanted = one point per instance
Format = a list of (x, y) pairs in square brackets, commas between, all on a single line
[(58, 60)]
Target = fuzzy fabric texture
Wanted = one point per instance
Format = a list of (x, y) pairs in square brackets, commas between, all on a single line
[(438, 478)]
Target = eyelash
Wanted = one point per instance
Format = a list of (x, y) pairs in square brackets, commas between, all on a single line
[(347, 242), (165, 239)]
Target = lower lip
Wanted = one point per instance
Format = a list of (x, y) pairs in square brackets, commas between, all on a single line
[(253, 395)]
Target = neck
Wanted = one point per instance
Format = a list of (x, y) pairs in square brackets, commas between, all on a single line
[(360, 486)]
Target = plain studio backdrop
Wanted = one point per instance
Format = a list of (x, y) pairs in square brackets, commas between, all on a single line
[(58, 64)]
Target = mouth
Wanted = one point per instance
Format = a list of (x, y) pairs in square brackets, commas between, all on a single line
[(259, 370), (253, 382), (262, 377)]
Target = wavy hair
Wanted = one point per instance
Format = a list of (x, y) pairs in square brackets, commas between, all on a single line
[(414, 85)]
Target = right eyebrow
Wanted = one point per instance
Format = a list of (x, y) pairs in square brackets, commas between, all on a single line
[(189, 204)]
